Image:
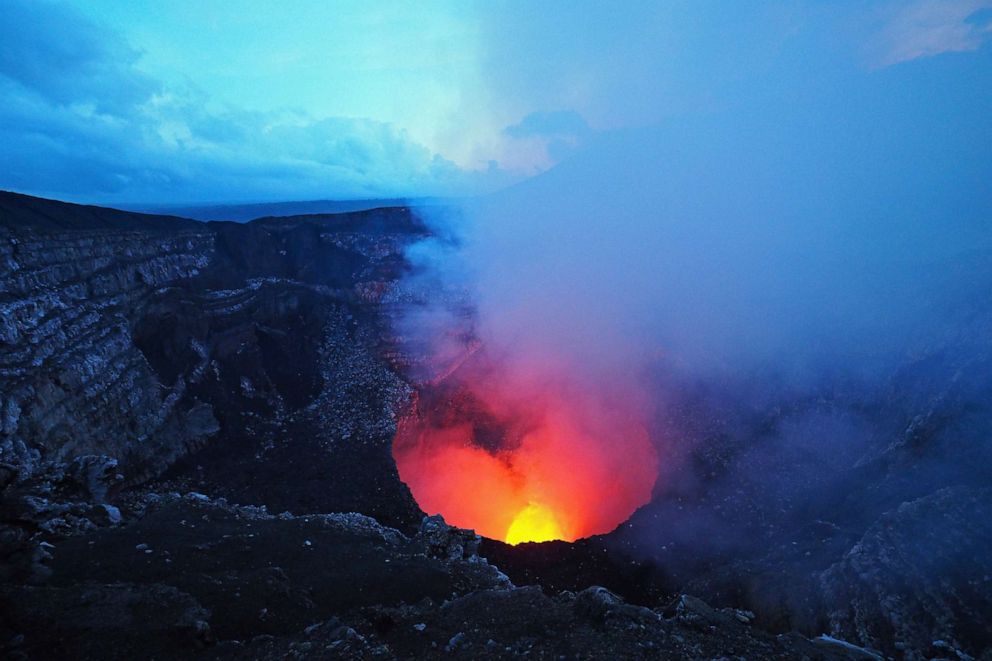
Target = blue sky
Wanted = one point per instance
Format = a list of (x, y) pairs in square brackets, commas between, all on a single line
[(208, 101)]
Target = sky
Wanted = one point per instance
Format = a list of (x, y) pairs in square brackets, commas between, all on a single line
[(189, 101)]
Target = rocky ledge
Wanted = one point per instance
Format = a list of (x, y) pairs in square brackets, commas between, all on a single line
[(190, 576)]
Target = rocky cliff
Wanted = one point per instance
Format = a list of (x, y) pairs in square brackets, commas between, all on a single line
[(73, 379), (129, 335), (128, 341)]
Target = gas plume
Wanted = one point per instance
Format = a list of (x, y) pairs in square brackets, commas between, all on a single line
[(790, 237)]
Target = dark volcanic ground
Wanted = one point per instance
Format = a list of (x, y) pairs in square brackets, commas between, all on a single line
[(190, 411)]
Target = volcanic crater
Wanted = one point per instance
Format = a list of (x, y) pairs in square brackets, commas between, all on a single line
[(214, 444)]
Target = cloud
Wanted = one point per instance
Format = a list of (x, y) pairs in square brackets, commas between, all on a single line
[(84, 119), (549, 124), (930, 27), (81, 120), (558, 133), (58, 54)]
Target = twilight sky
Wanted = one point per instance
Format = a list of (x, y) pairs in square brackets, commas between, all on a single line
[(182, 101)]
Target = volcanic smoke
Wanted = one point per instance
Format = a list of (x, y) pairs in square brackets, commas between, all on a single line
[(522, 454)]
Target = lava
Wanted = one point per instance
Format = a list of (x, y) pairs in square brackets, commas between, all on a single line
[(534, 523), (522, 456)]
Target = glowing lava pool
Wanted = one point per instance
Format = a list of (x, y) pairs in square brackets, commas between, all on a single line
[(525, 460)]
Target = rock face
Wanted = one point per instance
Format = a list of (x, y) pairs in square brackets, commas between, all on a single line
[(139, 337), (916, 583), (69, 306)]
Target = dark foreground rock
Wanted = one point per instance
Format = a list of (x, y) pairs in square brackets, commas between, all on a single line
[(192, 577)]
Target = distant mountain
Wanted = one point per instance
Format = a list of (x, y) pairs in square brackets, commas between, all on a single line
[(19, 211), (245, 212)]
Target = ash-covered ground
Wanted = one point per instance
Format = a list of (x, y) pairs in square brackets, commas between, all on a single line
[(195, 431)]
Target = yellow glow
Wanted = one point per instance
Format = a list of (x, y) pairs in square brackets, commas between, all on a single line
[(534, 523)]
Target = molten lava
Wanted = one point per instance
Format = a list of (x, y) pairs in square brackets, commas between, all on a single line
[(534, 523), (522, 457)]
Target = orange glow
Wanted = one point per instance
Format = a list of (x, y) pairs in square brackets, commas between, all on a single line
[(521, 456)]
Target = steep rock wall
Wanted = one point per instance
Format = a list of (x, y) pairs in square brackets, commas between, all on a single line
[(139, 337)]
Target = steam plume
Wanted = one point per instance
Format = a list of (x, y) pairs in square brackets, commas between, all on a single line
[(769, 240)]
